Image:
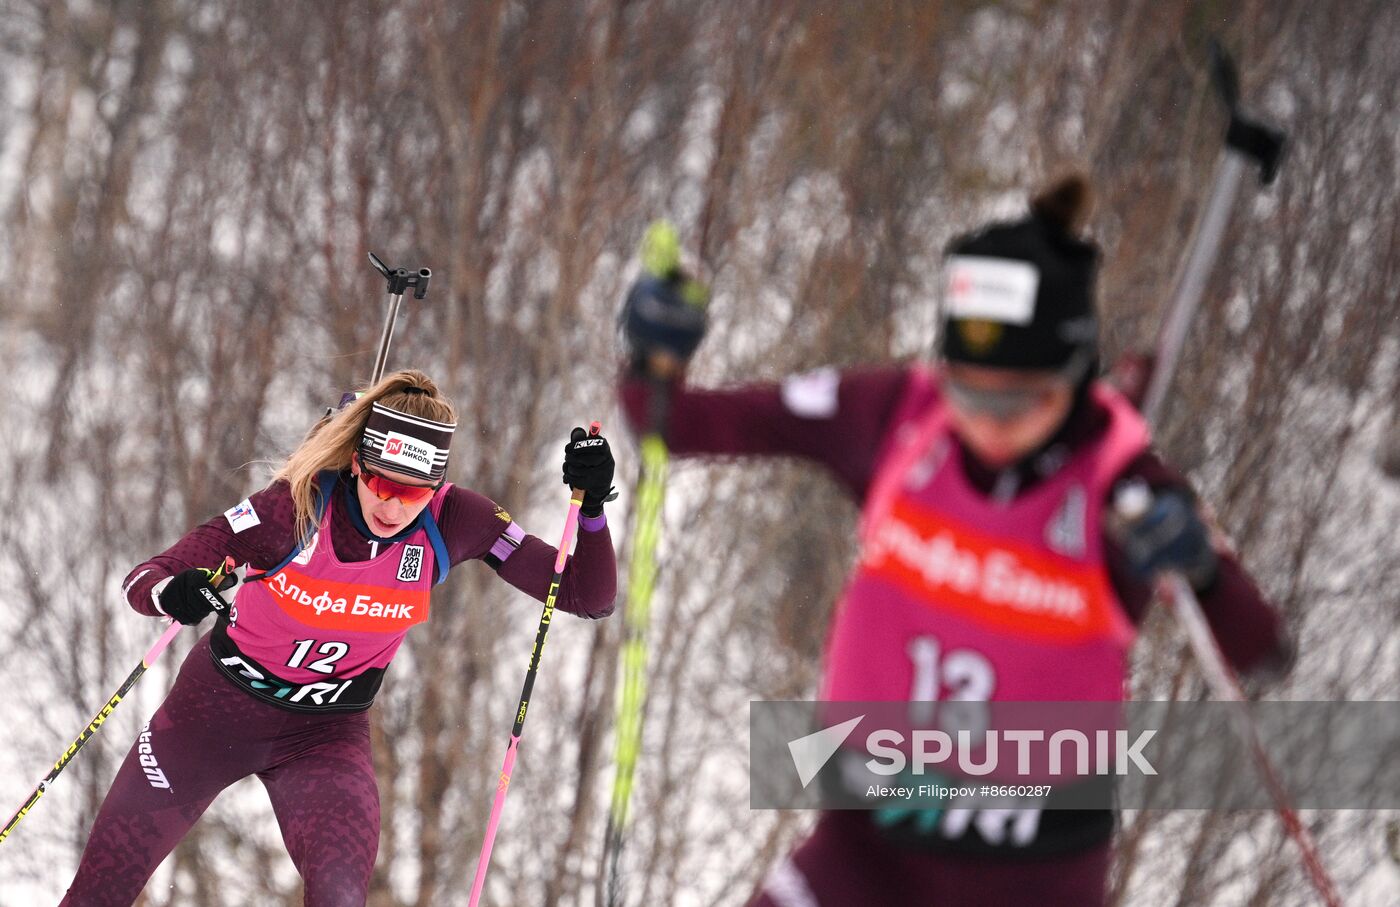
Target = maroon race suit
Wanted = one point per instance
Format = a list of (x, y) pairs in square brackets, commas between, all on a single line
[(854, 424), (229, 716)]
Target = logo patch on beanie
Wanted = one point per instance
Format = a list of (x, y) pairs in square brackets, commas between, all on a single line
[(998, 290)]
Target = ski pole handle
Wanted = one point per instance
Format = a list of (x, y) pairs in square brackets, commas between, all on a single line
[(1253, 139), (222, 572)]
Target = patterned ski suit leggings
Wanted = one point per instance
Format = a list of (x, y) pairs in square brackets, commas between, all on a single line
[(208, 734)]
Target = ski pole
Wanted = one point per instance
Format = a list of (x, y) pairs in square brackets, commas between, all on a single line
[(1223, 683), (660, 254), (641, 576), (215, 579), (503, 783), (1246, 141), (1176, 590)]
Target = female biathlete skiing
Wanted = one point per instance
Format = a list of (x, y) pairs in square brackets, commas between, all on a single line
[(1008, 449), (342, 550)]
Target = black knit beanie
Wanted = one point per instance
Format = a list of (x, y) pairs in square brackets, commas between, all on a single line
[(1020, 295)]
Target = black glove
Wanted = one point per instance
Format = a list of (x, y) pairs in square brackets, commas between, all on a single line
[(189, 597), (1167, 534), (588, 464), (664, 315)]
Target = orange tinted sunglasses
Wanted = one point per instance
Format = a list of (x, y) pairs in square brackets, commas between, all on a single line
[(385, 489)]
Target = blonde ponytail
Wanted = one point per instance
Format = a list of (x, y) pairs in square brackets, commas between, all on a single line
[(330, 444)]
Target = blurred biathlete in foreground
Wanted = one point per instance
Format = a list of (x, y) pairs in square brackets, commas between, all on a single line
[(346, 544), (1008, 448)]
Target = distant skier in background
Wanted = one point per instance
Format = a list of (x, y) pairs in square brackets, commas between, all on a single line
[(1010, 447), (346, 544)]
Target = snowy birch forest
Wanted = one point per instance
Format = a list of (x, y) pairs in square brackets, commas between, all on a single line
[(188, 189)]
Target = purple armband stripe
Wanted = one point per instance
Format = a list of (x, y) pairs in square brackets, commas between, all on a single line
[(592, 523), (508, 542)]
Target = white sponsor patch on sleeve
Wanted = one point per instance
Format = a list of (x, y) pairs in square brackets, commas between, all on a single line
[(812, 395), (242, 516), (980, 288)]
